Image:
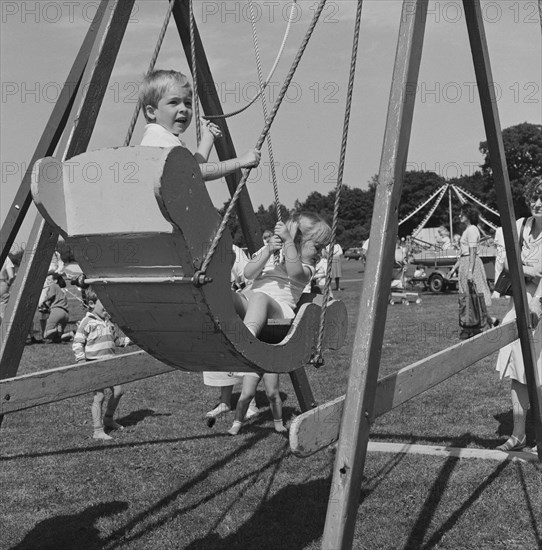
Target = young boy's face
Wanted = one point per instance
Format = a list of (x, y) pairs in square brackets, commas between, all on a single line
[(98, 309), (174, 110)]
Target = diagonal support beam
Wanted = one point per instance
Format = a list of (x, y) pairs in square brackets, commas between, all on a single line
[(211, 105), (26, 290), (484, 79), (49, 139), (366, 354)]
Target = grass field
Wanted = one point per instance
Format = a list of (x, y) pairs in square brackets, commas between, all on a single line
[(168, 481)]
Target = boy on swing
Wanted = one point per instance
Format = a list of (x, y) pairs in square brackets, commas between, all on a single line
[(166, 100)]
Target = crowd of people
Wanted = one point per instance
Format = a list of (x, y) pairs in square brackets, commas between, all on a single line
[(293, 259)]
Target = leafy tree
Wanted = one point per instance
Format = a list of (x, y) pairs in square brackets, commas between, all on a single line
[(523, 151)]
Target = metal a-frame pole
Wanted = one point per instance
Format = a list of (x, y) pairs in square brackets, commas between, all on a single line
[(484, 79), (109, 31), (358, 409), (226, 150)]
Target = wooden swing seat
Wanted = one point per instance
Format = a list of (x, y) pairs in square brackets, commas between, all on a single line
[(140, 221)]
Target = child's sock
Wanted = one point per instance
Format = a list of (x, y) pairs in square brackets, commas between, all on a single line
[(279, 426), (110, 423), (235, 427), (100, 434)]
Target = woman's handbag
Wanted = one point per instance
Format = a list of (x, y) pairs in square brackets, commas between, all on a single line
[(472, 312), (503, 284)]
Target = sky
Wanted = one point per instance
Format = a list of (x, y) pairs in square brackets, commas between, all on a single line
[(40, 39)]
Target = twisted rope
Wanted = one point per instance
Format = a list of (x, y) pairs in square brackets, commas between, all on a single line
[(194, 69), (152, 63), (317, 358), (264, 109), (200, 276), (269, 76)]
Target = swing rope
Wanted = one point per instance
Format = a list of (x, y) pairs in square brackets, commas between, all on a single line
[(269, 76), (152, 63), (317, 359), (194, 70), (264, 109), (199, 277)]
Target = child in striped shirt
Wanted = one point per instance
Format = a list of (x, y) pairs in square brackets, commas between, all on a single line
[(96, 337)]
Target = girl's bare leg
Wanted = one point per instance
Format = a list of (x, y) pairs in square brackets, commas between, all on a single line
[(250, 383), (260, 308), (271, 384)]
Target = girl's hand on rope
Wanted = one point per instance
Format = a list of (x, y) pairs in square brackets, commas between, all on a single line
[(470, 276), (250, 159), (282, 232), (274, 244)]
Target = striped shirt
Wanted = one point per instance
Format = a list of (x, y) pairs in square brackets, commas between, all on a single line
[(96, 337)]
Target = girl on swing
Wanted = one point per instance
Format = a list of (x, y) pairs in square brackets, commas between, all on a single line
[(276, 289)]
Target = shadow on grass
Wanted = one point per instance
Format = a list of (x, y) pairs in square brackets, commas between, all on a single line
[(415, 539), (124, 535), (71, 531), (289, 520), (99, 446), (135, 417), (434, 497)]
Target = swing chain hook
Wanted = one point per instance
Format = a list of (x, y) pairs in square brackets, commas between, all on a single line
[(200, 278)]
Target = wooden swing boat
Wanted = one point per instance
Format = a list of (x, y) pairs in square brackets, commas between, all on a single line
[(140, 222)]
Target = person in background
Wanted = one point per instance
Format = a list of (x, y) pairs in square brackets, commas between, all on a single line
[(336, 265), (54, 304), (7, 275), (443, 238), (510, 360)]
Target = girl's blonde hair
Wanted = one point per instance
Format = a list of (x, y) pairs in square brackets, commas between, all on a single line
[(306, 226), (155, 85)]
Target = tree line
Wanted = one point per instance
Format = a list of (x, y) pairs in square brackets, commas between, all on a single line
[(523, 150)]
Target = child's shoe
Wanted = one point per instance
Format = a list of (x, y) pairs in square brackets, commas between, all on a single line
[(221, 408), (111, 424), (100, 434), (252, 410), (235, 427), (279, 426)]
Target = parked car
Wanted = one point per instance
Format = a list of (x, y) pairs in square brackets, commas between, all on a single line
[(353, 254)]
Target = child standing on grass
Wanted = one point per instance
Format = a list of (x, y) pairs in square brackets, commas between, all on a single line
[(274, 294), (96, 337)]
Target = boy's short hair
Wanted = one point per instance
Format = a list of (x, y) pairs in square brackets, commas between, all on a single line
[(155, 85), (91, 296)]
